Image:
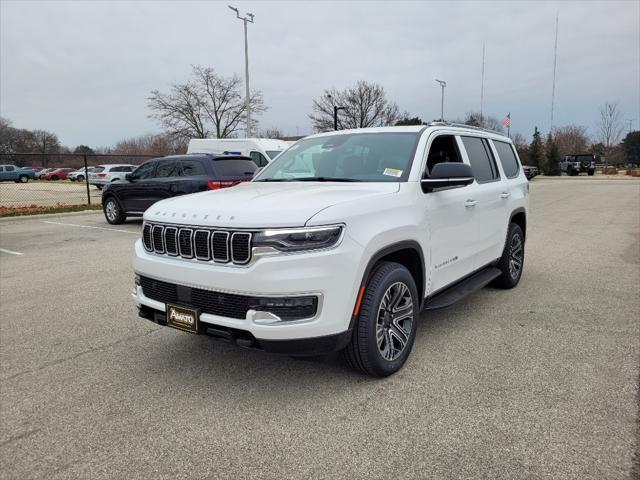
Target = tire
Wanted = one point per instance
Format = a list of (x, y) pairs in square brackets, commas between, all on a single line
[(113, 212), (55, 177), (511, 262), (384, 357), (23, 178), (591, 173), (80, 178)]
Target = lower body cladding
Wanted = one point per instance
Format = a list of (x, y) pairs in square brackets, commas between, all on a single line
[(296, 304)]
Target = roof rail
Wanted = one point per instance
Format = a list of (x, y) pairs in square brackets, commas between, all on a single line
[(462, 125)]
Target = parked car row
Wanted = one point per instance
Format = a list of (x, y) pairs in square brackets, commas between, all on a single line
[(530, 171), (12, 173)]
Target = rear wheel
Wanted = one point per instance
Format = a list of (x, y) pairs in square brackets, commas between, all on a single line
[(23, 179), (512, 260), (80, 178), (112, 211), (386, 325)]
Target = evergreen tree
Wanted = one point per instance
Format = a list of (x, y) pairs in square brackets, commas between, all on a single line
[(535, 150), (552, 164)]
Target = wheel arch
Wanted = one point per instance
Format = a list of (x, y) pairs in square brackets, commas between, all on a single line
[(407, 253), (519, 217)]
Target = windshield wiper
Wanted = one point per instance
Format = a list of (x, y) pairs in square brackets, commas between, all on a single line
[(325, 179)]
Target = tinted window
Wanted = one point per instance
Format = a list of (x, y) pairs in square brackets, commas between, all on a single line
[(144, 171), (443, 150), (193, 168), (96, 169), (234, 167), (167, 168), (482, 164), (9, 168), (259, 159), (507, 159)]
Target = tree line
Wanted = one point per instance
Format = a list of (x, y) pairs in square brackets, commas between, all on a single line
[(210, 105)]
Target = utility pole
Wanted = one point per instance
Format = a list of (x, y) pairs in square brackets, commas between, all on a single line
[(442, 84), (247, 105), (553, 88)]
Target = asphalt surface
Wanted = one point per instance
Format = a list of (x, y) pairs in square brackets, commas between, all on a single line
[(536, 382)]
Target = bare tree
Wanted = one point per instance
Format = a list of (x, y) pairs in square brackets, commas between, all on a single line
[(571, 139), (149, 144), (207, 105), (273, 132), (476, 119), (362, 106), (610, 126)]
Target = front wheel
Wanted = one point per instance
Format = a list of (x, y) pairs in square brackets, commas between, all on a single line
[(386, 324), (512, 260), (591, 173), (112, 212), (23, 179)]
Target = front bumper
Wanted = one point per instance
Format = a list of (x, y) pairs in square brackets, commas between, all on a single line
[(333, 276)]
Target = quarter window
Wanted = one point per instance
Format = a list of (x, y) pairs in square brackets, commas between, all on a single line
[(507, 159), (482, 162), (259, 159)]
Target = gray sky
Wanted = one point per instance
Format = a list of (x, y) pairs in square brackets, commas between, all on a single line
[(83, 69)]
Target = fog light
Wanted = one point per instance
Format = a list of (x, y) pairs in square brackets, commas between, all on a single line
[(289, 308)]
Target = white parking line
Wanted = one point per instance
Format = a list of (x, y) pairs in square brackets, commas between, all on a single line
[(90, 226), (11, 252)]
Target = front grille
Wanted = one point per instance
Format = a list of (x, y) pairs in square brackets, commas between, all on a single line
[(225, 304), (219, 246)]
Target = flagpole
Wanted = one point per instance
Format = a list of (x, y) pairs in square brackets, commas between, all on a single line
[(482, 85)]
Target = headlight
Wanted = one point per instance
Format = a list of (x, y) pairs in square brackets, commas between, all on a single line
[(298, 239)]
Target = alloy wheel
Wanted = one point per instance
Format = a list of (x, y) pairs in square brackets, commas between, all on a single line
[(111, 210), (394, 321), (515, 256)]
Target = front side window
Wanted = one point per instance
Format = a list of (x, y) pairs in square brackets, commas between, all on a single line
[(482, 163), (259, 159), (443, 149), (167, 168), (144, 171), (507, 159), (352, 157)]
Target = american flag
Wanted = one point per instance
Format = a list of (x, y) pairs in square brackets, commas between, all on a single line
[(506, 121)]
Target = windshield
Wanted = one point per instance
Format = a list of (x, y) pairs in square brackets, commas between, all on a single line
[(273, 153), (355, 157)]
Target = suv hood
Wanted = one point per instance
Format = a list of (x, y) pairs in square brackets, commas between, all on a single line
[(262, 205)]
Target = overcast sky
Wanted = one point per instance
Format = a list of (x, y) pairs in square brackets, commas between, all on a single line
[(83, 69)]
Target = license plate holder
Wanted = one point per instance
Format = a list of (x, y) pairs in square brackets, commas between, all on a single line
[(182, 318)]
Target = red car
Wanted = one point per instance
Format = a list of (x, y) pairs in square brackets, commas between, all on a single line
[(57, 174)]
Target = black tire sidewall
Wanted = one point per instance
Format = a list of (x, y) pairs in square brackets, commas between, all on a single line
[(506, 280), (369, 311)]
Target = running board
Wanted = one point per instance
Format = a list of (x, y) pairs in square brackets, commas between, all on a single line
[(463, 289)]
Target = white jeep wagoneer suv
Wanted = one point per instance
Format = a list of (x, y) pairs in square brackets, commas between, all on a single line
[(339, 243)]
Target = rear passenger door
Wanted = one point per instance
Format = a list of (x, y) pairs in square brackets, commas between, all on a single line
[(488, 201)]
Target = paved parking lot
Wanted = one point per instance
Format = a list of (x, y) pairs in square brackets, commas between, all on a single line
[(537, 382)]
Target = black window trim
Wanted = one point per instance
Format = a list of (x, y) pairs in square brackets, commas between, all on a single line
[(515, 155), (425, 167), (485, 143)]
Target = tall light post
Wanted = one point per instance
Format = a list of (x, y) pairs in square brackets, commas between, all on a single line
[(442, 84), (335, 113), (247, 18)]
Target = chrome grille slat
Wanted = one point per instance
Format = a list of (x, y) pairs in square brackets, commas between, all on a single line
[(202, 244)]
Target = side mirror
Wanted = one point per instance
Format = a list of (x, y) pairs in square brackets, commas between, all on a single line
[(444, 175), (129, 177)]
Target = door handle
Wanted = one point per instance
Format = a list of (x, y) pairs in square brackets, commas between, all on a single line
[(470, 203), (505, 194)]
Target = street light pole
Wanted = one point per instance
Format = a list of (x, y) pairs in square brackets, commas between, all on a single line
[(442, 84), (247, 103), (335, 113)]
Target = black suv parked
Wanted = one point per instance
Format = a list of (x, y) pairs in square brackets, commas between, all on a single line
[(166, 177), (576, 164)]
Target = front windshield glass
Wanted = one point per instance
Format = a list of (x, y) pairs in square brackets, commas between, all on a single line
[(273, 153), (355, 157)]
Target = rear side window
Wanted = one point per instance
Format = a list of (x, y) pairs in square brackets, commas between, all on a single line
[(193, 168), (9, 168), (482, 163), (167, 168), (507, 159), (234, 167)]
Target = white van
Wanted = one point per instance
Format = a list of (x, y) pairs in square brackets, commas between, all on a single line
[(261, 150)]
